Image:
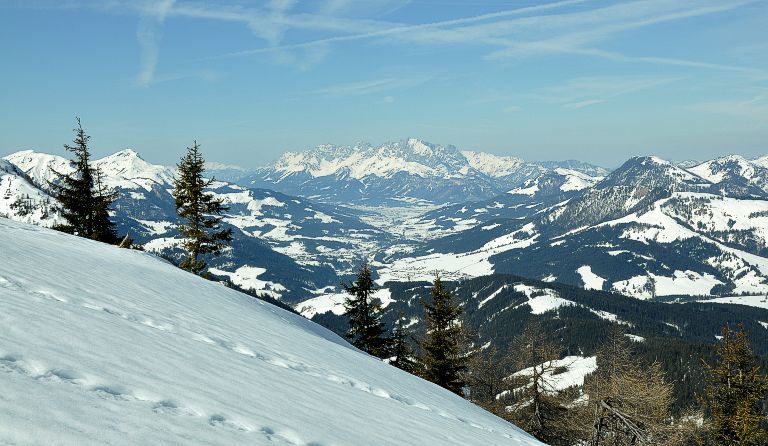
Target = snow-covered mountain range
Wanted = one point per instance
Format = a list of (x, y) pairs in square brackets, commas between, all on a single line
[(405, 171), (102, 345), (649, 228)]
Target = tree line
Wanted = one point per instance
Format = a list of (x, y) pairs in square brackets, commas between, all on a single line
[(625, 401), (440, 359)]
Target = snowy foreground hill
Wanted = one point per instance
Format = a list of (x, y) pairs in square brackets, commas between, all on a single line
[(107, 346)]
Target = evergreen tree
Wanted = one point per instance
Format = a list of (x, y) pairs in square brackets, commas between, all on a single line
[(402, 353), (366, 331), (444, 359), (199, 212), (84, 201), (103, 226), (735, 390)]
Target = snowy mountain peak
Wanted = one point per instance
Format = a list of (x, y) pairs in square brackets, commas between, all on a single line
[(127, 170), (762, 161), (412, 156), (652, 172), (493, 165), (721, 168), (556, 182), (735, 173), (40, 167), (419, 147)]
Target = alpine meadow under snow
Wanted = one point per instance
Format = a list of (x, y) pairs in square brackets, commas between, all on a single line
[(102, 345)]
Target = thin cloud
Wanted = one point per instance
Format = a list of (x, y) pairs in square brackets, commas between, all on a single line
[(584, 92), (394, 29), (583, 104), (755, 108), (148, 35), (566, 31), (369, 87)]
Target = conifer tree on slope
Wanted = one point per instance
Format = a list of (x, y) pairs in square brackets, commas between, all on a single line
[(402, 352), (85, 202), (199, 212), (366, 331), (103, 226), (444, 359), (735, 389)]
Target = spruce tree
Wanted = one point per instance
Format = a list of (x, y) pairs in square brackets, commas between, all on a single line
[(84, 201), (366, 331), (199, 212), (402, 352), (103, 226), (444, 359), (735, 389)]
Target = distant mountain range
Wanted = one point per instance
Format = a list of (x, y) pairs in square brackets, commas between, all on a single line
[(402, 172), (647, 229), (650, 228)]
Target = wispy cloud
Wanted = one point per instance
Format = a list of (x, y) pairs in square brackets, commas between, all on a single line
[(583, 104), (369, 87), (754, 108), (584, 92), (538, 31), (148, 35), (574, 27)]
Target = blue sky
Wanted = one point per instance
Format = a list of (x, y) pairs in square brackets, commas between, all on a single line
[(593, 80)]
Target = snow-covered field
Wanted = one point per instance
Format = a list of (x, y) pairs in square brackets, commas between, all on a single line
[(107, 346), (752, 301), (576, 369)]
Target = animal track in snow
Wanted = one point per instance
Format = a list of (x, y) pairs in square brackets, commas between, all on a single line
[(49, 295)]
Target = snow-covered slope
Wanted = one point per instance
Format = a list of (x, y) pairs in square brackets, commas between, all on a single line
[(107, 346), (493, 165), (127, 170), (40, 167), (21, 200), (734, 173)]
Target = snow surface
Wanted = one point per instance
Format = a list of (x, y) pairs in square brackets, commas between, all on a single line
[(40, 166), (635, 338), (575, 180), (107, 346), (493, 165), (14, 186), (334, 303), (454, 266), (591, 280), (752, 301), (578, 368), (247, 277), (541, 300)]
